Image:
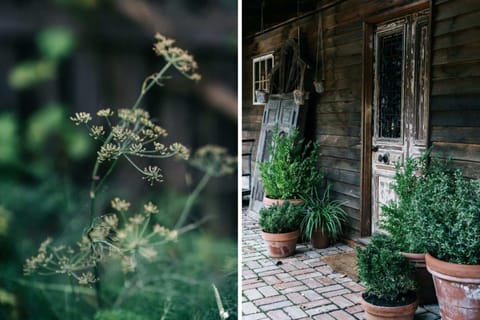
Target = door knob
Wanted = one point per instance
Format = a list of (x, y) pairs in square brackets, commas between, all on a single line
[(385, 157)]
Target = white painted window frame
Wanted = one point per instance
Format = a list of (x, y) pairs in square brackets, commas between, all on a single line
[(258, 60)]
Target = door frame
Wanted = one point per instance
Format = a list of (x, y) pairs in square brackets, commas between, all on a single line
[(367, 103)]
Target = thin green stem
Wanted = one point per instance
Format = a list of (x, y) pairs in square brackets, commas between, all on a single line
[(133, 163), (191, 199), (94, 187)]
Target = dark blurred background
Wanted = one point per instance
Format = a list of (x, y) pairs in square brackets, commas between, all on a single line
[(59, 57)]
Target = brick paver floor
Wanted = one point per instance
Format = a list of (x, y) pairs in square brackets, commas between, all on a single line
[(298, 287)]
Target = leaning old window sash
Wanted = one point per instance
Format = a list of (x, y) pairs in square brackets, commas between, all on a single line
[(262, 66)]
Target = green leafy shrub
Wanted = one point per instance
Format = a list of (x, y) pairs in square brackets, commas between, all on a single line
[(385, 273), (323, 213), (450, 206), (400, 218), (281, 218), (291, 170)]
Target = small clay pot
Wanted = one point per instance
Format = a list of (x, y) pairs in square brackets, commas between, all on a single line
[(374, 312), (281, 245), (319, 239), (457, 287)]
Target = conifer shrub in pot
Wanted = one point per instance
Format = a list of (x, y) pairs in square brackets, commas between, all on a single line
[(452, 203), (280, 228), (387, 277), (291, 171), (323, 218), (405, 222)]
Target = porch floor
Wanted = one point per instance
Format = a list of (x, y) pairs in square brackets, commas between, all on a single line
[(302, 286)]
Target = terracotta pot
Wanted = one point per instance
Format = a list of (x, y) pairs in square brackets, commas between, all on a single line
[(281, 245), (319, 239), (373, 312), (457, 287), (267, 202), (426, 289)]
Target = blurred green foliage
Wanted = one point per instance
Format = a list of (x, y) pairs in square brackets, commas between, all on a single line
[(52, 121), (54, 44), (9, 139)]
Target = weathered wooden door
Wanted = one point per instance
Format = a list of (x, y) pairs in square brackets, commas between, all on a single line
[(400, 101)]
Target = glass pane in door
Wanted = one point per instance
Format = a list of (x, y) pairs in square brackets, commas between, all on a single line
[(390, 54)]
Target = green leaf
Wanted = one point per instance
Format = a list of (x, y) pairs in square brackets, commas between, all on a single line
[(55, 43)]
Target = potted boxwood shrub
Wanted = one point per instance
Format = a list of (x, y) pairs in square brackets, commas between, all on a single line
[(291, 170), (323, 218), (405, 223), (387, 277), (280, 228), (452, 205)]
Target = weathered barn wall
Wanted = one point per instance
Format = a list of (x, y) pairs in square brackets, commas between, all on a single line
[(455, 78), (335, 116)]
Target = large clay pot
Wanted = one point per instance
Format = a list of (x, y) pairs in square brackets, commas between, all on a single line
[(319, 239), (281, 245), (373, 312), (426, 289), (457, 287), (268, 202)]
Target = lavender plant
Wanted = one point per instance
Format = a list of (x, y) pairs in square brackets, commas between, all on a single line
[(127, 235)]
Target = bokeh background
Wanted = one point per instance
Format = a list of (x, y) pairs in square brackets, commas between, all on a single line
[(58, 57)]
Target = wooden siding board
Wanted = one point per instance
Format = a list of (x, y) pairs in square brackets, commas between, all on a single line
[(455, 102), (338, 130), (456, 134), (342, 164), (339, 141), (338, 107), (457, 118), (340, 152), (347, 189), (458, 151), (455, 71), (450, 9), (458, 54), (454, 39), (337, 174), (459, 86), (463, 22)]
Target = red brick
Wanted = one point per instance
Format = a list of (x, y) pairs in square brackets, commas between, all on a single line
[(342, 302), (295, 312), (355, 287), (324, 316), (270, 300), (322, 309), (296, 298), (335, 293), (354, 309), (271, 280), (329, 288), (286, 285), (316, 303), (276, 305), (341, 315), (278, 315), (249, 308)]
